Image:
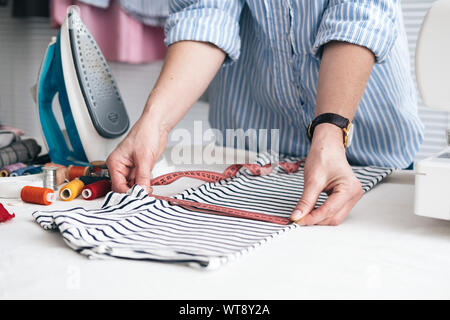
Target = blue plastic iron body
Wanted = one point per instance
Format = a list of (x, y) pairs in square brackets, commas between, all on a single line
[(51, 83)]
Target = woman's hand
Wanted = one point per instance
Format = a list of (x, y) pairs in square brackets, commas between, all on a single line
[(327, 170), (344, 71), (187, 71), (133, 159)]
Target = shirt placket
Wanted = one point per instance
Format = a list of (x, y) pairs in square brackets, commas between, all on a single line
[(281, 34)]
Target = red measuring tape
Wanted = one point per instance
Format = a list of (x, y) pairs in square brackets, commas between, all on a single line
[(210, 176)]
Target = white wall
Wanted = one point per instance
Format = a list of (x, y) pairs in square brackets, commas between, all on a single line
[(23, 42)]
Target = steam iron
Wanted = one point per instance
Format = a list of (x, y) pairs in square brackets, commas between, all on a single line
[(92, 109)]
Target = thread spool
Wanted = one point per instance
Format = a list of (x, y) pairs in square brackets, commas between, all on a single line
[(90, 180), (99, 169), (74, 172), (96, 190), (71, 190), (103, 173), (6, 171), (37, 195), (98, 166), (61, 173), (25, 171), (31, 171), (50, 177), (52, 164)]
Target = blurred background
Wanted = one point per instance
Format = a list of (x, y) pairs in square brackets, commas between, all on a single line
[(27, 26)]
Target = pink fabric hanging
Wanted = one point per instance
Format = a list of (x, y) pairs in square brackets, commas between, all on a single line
[(120, 36)]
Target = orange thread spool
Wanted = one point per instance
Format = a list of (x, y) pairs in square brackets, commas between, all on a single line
[(37, 195), (71, 190), (76, 172)]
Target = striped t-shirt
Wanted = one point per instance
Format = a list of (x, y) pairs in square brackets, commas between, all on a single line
[(137, 226)]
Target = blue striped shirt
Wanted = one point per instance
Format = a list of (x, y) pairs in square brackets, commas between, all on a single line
[(269, 79)]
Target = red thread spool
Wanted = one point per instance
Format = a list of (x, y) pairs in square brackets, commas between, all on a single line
[(76, 172), (38, 195), (96, 190)]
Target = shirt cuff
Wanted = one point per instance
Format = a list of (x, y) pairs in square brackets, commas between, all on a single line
[(361, 24), (213, 26)]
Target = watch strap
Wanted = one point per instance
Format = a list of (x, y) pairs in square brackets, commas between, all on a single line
[(332, 118)]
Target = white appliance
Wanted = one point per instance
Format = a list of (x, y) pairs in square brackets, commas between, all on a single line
[(432, 189)]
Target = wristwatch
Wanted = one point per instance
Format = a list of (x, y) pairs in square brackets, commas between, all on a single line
[(343, 123)]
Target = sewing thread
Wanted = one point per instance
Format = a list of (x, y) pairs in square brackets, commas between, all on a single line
[(71, 190), (90, 180), (96, 190), (37, 195), (26, 171), (76, 172), (61, 173), (6, 171), (98, 166), (50, 177)]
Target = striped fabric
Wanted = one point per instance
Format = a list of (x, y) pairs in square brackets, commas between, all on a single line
[(269, 79), (137, 226)]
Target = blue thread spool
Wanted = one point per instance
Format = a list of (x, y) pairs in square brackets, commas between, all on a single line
[(26, 171)]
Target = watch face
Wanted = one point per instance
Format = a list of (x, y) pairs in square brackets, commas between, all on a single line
[(350, 136)]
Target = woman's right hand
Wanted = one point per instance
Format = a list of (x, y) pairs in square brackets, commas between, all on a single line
[(189, 68), (133, 159)]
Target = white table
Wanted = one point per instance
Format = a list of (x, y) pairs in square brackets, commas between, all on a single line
[(381, 251)]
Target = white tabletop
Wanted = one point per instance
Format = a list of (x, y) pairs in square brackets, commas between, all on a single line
[(381, 251)]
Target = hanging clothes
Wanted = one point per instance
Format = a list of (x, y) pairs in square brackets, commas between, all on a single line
[(152, 13), (121, 37), (137, 226)]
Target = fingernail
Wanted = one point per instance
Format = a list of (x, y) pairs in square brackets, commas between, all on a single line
[(296, 215)]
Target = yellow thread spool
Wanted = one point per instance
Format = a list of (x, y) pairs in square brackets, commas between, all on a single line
[(71, 190)]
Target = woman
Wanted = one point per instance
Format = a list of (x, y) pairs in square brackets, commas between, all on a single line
[(288, 65)]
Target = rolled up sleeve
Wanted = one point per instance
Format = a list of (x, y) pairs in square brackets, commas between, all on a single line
[(213, 21), (371, 24)]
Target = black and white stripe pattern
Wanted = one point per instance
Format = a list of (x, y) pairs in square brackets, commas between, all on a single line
[(138, 226)]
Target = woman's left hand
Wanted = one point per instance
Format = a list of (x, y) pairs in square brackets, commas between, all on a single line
[(327, 170)]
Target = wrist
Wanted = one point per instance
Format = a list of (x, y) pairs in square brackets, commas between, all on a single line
[(327, 134), (157, 116)]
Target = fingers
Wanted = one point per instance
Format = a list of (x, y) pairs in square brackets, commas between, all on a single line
[(118, 173), (144, 167), (337, 206), (311, 193), (123, 177)]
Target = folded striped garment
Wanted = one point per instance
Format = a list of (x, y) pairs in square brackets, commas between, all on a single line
[(137, 226)]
